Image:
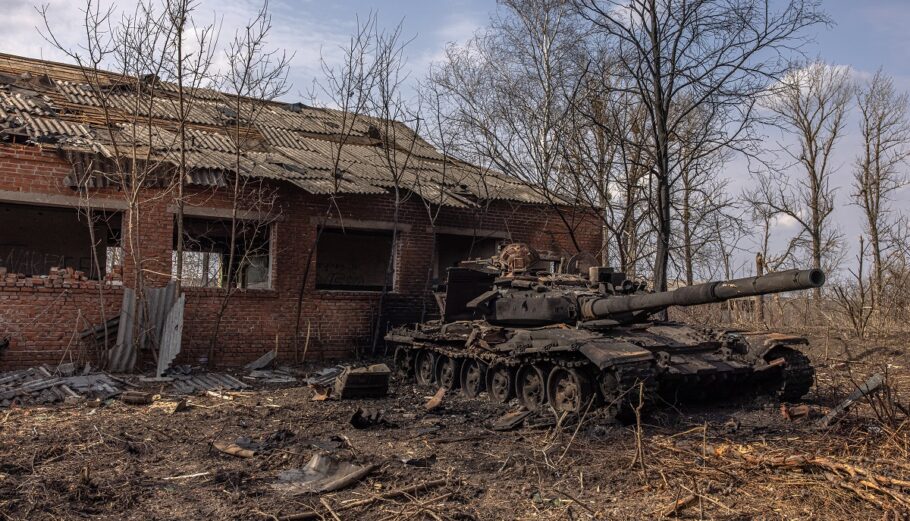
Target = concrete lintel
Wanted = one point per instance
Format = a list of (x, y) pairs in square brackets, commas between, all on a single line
[(223, 213), (470, 232), (69, 201), (359, 224)]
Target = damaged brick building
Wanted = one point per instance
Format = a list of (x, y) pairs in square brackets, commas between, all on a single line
[(78, 224)]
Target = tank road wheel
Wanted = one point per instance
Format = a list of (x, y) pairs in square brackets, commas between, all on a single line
[(569, 390), (796, 377), (473, 378), (404, 362), (448, 372), (501, 383), (610, 393), (531, 386), (424, 363)]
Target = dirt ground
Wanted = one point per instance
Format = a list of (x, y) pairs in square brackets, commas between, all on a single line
[(732, 460)]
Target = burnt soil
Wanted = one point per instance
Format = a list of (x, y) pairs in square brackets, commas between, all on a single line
[(721, 460)]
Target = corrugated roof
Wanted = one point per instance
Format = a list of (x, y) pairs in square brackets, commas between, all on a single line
[(55, 105)]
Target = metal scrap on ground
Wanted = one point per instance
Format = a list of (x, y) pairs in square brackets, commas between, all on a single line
[(363, 382), (870, 386), (263, 361), (322, 473), (39, 385), (191, 383), (345, 382)]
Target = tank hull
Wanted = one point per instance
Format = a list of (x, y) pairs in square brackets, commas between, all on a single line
[(622, 368)]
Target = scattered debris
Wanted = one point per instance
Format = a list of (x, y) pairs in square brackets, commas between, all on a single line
[(170, 406), (244, 447), (363, 382), (192, 383), (872, 385), (511, 420), (263, 361), (325, 377), (323, 473), (369, 418), (271, 377), (136, 398), (187, 476), (234, 448), (38, 385), (436, 400), (424, 462), (679, 505), (333, 443), (392, 494), (794, 412)]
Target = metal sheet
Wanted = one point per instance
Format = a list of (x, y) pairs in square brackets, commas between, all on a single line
[(122, 358), (171, 336), (158, 303)]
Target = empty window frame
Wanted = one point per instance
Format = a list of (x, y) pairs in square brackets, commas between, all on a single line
[(353, 260), (206, 254), (34, 239), (452, 249)]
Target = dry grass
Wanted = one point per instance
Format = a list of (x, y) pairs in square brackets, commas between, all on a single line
[(736, 460)]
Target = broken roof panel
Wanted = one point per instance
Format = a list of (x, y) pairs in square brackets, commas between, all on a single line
[(52, 104)]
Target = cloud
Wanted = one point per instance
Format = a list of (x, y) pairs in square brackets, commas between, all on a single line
[(294, 29), (784, 221)]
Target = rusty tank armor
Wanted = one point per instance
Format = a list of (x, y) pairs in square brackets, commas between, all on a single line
[(582, 335)]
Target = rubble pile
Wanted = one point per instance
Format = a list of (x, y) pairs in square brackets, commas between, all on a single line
[(57, 278)]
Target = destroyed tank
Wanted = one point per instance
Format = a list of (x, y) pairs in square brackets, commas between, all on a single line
[(584, 335)]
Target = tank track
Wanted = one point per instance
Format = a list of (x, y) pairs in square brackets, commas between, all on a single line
[(797, 376), (618, 389)]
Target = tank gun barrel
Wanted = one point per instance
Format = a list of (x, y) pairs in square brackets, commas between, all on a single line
[(706, 293)]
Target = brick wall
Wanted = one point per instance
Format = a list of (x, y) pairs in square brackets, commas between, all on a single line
[(41, 321)]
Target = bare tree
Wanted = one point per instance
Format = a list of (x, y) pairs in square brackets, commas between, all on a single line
[(604, 167), (390, 110), (766, 217), (255, 77), (509, 92), (189, 70), (346, 87), (120, 63), (811, 104), (681, 56), (885, 131)]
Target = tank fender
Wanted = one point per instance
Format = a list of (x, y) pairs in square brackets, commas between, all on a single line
[(760, 344), (606, 353)]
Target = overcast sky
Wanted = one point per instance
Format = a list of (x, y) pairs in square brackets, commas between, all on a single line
[(867, 34)]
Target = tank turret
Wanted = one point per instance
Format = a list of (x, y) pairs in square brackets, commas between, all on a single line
[(567, 333), (520, 297)]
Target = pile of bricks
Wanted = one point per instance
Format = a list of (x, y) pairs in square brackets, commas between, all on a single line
[(57, 278), (115, 276)]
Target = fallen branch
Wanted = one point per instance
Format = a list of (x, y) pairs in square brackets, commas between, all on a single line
[(679, 505), (312, 514)]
